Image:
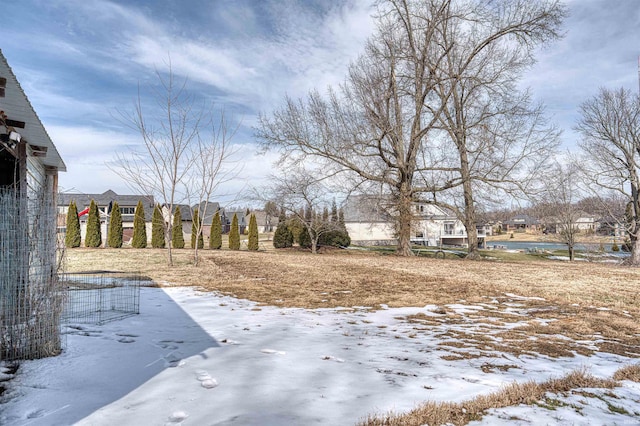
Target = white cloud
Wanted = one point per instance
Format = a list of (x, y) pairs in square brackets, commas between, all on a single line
[(86, 151), (307, 51)]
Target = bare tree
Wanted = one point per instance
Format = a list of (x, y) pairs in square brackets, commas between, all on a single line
[(559, 203), (213, 166), (496, 139), (610, 128), (304, 197), (372, 127), (161, 164), (429, 67)]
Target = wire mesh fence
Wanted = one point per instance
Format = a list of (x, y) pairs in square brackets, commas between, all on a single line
[(98, 297), (31, 298)]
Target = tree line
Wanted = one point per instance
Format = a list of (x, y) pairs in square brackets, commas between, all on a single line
[(93, 236)]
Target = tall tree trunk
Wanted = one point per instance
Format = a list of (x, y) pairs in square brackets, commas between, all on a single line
[(168, 242), (635, 253), (469, 206), (405, 217), (634, 235)]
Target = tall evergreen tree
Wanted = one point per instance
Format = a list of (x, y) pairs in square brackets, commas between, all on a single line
[(234, 234), (72, 238), (195, 228), (139, 239), (334, 212), (253, 233), (114, 234), (177, 237), (157, 228), (215, 238), (304, 239), (94, 234), (283, 237)]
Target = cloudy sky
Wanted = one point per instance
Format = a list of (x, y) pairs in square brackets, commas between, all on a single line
[(81, 61)]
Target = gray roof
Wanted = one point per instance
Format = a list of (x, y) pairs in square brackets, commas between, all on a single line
[(365, 208), (103, 200), (378, 208), (17, 107), (239, 214), (209, 210), (185, 212), (261, 218)]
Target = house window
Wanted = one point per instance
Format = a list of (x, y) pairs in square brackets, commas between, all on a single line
[(127, 210), (448, 229), (419, 234)]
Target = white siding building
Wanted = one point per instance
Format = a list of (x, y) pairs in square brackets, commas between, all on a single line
[(369, 222)]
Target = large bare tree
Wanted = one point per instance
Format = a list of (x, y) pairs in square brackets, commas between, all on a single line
[(497, 140), (610, 128), (384, 124), (372, 127)]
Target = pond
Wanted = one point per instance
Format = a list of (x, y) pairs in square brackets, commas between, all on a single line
[(527, 245)]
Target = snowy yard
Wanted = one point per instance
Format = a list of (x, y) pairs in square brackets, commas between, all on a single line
[(199, 358)]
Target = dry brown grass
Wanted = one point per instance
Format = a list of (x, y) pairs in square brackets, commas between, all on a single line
[(293, 278), (629, 372), (440, 413)]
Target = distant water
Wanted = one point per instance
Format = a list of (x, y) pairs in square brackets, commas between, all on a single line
[(521, 245)]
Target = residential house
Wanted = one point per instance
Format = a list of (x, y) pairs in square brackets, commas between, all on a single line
[(104, 202), (243, 220), (370, 222), (186, 217), (611, 226), (487, 228), (586, 223), (522, 223), (206, 212), (30, 297), (266, 222), (581, 222)]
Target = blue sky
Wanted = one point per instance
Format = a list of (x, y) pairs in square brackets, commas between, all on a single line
[(80, 61)]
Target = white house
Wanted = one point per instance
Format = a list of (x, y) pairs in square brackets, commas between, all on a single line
[(369, 222)]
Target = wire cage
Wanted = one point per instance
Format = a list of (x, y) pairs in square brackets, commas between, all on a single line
[(98, 297), (31, 299)]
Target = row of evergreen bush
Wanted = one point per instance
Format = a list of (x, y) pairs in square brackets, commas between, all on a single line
[(93, 236)]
